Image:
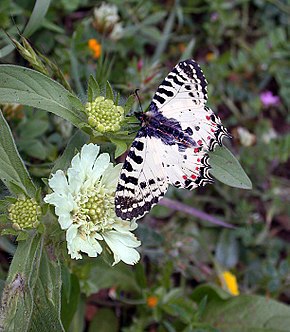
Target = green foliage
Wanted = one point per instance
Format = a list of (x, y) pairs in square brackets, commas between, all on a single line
[(12, 170), (236, 314), (243, 49), (28, 87), (227, 169), (31, 297)]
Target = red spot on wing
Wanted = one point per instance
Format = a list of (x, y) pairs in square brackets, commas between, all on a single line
[(208, 137), (198, 160), (196, 150), (199, 142), (184, 177), (196, 168), (208, 117), (212, 130), (193, 176)]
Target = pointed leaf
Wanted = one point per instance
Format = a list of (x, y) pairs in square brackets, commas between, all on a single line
[(12, 170), (109, 91), (18, 292), (227, 169), (31, 88), (32, 291), (37, 16), (129, 103), (121, 147), (93, 89)]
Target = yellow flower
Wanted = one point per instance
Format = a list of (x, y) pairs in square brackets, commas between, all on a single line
[(152, 301), (229, 282), (96, 47)]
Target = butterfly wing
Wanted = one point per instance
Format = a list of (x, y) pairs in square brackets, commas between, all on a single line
[(151, 163), (182, 96), (142, 181)]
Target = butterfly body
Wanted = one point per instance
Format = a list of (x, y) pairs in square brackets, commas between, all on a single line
[(171, 146), (167, 130)]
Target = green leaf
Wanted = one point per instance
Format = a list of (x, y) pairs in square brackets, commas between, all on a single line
[(109, 91), (7, 246), (47, 297), (181, 307), (4, 205), (247, 313), (227, 169), (211, 291), (12, 170), (121, 147), (99, 275), (70, 297), (141, 275), (35, 21), (93, 89), (36, 18), (78, 322), (105, 320), (31, 88), (33, 128), (32, 292), (129, 103), (33, 148), (74, 144), (227, 250)]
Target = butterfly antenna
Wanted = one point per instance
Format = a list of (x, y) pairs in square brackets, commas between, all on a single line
[(137, 95)]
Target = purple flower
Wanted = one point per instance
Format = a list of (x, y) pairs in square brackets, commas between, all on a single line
[(268, 99), (214, 17)]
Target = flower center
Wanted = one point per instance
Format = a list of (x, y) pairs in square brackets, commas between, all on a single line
[(96, 210), (104, 115), (24, 213)]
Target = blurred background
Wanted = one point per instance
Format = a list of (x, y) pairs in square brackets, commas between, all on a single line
[(243, 49)]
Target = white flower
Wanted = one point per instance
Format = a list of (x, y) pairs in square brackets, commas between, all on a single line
[(84, 204), (117, 32), (106, 16), (246, 138)]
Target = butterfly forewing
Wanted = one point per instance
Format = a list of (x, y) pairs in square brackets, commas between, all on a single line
[(142, 181), (171, 147)]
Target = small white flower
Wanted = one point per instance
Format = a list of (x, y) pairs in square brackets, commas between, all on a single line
[(117, 32), (106, 16), (246, 138), (84, 204)]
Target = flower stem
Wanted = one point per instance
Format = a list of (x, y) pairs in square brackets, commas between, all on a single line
[(194, 212)]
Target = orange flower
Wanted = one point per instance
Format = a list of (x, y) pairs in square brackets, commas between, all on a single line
[(210, 56), (96, 47), (152, 301)]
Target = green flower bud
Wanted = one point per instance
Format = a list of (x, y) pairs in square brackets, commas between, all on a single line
[(24, 213), (104, 115)]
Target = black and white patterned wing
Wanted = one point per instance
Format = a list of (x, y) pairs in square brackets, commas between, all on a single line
[(182, 96), (142, 181), (172, 146)]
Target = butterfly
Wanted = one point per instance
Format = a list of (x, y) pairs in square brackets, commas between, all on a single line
[(171, 147)]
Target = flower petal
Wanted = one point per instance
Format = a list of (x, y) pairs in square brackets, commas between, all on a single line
[(58, 182), (89, 153), (110, 176), (122, 246), (100, 165)]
